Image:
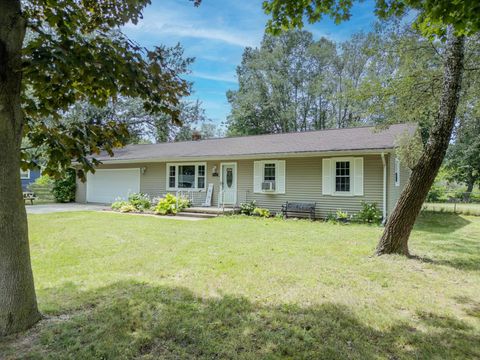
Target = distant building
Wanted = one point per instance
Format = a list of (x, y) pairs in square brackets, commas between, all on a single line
[(28, 177)]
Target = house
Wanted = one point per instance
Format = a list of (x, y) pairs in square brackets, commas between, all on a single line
[(28, 177), (337, 169)]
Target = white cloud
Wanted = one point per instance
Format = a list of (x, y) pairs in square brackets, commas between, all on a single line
[(175, 22), (225, 77), (225, 36)]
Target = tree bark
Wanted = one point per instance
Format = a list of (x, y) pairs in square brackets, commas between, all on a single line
[(470, 184), (18, 305), (400, 223)]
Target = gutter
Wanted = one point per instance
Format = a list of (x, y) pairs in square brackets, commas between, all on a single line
[(283, 155), (384, 207)]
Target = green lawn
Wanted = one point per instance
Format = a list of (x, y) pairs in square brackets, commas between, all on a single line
[(117, 286)]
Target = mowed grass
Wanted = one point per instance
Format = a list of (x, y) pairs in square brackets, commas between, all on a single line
[(116, 286), (460, 208)]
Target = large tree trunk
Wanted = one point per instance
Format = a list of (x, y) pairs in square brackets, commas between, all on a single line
[(18, 305), (400, 223)]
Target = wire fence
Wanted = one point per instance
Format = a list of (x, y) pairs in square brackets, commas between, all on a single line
[(467, 203)]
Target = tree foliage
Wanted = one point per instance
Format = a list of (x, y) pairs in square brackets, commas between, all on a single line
[(463, 157), (294, 83), (142, 126), (64, 187), (432, 16), (76, 53)]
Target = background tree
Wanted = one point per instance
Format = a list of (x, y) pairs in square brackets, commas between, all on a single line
[(143, 126), (76, 53), (293, 83), (448, 20), (463, 157)]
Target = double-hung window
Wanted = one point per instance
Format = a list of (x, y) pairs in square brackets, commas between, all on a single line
[(269, 172), (269, 176), (201, 177), (342, 176), (186, 176)]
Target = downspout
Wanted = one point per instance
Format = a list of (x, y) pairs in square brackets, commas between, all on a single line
[(384, 207)]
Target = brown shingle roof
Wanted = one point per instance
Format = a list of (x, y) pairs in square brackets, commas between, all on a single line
[(350, 139)]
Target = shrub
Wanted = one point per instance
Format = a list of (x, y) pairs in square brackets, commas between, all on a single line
[(247, 208), (475, 197), (436, 194), (140, 201), (127, 208), (64, 188), (265, 213), (171, 205), (183, 203), (44, 180), (370, 213), (341, 216), (331, 217), (118, 204)]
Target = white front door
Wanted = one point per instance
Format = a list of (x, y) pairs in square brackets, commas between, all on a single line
[(228, 184)]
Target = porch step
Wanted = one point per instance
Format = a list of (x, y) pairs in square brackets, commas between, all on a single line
[(209, 210), (196, 215)]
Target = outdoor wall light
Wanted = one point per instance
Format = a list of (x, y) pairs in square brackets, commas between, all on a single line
[(143, 169), (214, 171)]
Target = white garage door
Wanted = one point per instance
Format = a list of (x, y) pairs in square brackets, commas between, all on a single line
[(107, 186)]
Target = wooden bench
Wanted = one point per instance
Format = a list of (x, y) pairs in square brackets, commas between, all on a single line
[(29, 196), (299, 209)]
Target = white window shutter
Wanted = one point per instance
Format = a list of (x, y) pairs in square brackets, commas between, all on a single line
[(257, 176), (358, 176), (280, 180), (327, 177)]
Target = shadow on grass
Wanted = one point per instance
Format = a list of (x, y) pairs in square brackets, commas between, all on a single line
[(132, 320), (454, 251), (440, 223), (469, 260)]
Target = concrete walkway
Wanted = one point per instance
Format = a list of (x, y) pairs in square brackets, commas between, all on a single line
[(57, 207), (53, 208)]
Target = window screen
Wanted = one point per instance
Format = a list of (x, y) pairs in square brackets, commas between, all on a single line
[(269, 172), (342, 176)]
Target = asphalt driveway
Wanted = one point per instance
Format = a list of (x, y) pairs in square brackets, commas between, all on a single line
[(52, 208)]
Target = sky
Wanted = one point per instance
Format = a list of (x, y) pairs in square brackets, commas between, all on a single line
[(216, 33)]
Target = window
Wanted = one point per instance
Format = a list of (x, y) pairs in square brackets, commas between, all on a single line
[(201, 177), (269, 177), (25, 174), (269, 172), (186, 176), (171, 177), (342, 176), (397, 172)]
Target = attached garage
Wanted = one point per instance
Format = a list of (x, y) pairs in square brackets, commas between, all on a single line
[(109, 185)]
